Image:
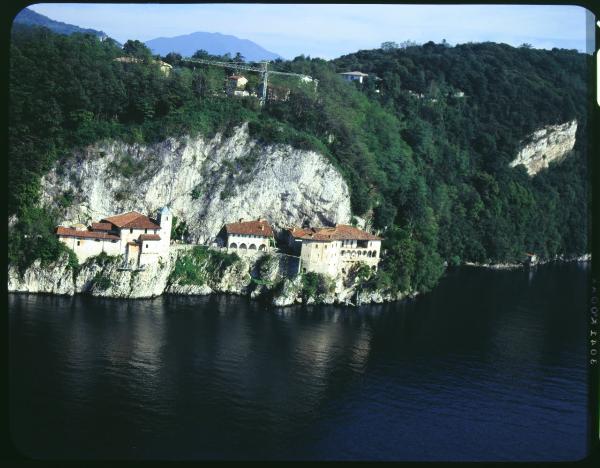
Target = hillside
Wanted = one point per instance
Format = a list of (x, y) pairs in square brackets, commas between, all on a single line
[(31, 18), (431, 173), (213, 43)]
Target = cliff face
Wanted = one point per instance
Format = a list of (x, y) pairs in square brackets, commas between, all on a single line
[(206, 183), (256, 276), (551, 143)]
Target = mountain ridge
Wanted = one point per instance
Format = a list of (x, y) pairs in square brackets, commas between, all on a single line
[(213, 43), (29, 17)]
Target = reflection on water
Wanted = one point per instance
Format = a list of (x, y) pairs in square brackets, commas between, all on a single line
[(489, 366)]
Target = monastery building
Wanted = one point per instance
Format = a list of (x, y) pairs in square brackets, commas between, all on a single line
[(140, 239)]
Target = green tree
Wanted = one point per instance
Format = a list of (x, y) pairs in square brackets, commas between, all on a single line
[(138, 50), (389, 45)]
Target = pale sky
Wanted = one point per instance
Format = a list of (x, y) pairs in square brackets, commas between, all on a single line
[(329, 31)]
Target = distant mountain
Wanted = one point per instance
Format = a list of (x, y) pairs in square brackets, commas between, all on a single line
[(30, 17), (213, 43)]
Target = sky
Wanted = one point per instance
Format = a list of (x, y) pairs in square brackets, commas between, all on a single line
[(328, 31)]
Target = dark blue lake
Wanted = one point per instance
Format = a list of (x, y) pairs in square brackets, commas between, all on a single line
[(491, 365)]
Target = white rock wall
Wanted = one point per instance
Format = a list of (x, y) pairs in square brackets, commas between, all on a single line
[(551, 143), (235, 177)]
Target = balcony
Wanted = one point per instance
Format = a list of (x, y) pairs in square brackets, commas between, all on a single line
[(358, 253)]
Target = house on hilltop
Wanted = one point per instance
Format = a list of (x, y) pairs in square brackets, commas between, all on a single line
[(164, 67), (354, 76), (334, 250), (140, 239), (236, 85), (246, 236)]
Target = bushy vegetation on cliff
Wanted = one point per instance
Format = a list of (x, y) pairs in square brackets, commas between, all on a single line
[(200, 265), (431, 172)]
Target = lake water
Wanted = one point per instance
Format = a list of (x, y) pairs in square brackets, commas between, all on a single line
[(491, 365)]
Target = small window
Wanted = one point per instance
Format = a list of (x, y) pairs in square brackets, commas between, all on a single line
[(78, 242), (146, 245), (97, 240), (131, 231), (145, 231), (113, 241)]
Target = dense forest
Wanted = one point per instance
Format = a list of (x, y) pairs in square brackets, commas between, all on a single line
[(426, 165)]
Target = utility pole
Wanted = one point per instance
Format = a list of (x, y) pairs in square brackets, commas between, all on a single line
[(263, 70), (265, 74)]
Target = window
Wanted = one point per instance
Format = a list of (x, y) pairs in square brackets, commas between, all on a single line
[(146, 245), (131, 231), (78, 242), (97, 240), (145, 231)]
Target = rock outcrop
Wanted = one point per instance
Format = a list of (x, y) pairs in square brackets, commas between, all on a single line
[(257, 276), (206, 183), (56, 278), (551, 143)]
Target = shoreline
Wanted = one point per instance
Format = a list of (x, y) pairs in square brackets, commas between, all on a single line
[(368, 297), (249, 297), (514, 266)]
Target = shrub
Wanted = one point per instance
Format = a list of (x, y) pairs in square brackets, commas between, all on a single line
[(103, 259), (73, 261), (201, 264), (66, 199), (126, 166), (102, 282), (196, 193), (226, 193), (316, 285), (179, 229), (121, 195)]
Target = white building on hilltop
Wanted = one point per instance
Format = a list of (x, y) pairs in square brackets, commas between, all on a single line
[(140, 239), (354, 76)]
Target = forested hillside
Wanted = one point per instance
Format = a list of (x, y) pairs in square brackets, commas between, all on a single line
[(430, 172)]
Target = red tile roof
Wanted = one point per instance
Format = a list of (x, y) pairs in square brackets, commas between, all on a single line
[(256, 228), (101, 226), (70, 232), (130, 220), (339, 232), (149, 237)]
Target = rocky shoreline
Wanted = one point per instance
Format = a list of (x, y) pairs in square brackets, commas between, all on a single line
[(256, 276), (512, 266), (261, 277)]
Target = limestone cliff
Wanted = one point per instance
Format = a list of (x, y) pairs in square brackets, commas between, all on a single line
[(551, 143), (257, 276), (206, 183)]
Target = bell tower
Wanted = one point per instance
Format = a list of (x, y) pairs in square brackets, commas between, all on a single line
[(165, 219)]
